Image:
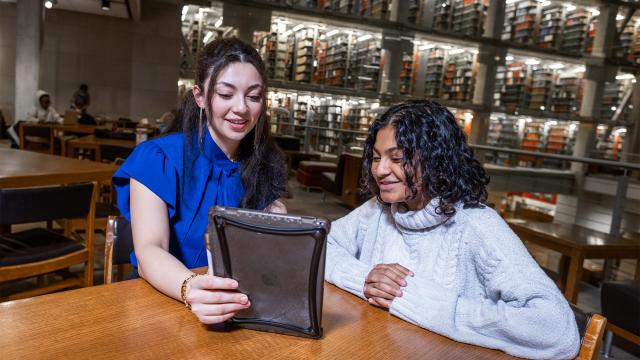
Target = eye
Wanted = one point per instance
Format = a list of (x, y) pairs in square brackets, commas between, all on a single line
[(376, 159), (255, 98), (225, 96), (397, 160)]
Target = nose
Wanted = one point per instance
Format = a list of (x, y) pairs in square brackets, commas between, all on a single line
[(381, 168), (239, 104)]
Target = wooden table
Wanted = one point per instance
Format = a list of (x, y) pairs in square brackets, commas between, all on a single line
[(95, 144), (130, 319), (19, 168), (576, 243), (60, 130)]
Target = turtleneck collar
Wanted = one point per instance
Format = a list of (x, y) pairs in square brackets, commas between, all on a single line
[(418, 220)]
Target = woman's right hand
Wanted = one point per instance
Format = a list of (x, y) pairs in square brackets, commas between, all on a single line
[(214, 299)]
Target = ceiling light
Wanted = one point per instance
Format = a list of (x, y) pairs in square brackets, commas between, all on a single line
[(106, 5), (50, 3), (218, 23), (332, 32), (625, 77)]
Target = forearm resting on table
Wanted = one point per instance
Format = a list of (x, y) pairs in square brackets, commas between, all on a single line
[(162, 270)]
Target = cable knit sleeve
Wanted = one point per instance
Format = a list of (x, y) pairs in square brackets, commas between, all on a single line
[(521, 312), (344, 268)]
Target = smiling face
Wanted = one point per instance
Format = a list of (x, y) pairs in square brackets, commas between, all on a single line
[(235, 105), (387, 170)]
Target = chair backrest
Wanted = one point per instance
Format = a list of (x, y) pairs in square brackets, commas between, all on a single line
[(112, 152), (118, 244), (34, 204), (45, 132), (340, 172), (591, 328)]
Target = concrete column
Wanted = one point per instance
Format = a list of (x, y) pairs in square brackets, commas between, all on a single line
[(631, 146), (495, 20), (392, 48), (426, 17), (246, 19), (29, 22), (606, 32), (489, 58), (421, 73), (594, 78)]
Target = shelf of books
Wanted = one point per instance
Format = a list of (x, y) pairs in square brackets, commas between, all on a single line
[(328, 70), (532, 134), (609, 140), (538, 86)]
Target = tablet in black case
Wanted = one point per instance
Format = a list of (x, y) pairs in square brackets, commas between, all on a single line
[(278, 261)]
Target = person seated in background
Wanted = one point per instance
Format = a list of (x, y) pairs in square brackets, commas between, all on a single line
[(42, 113), (428, 249), (80, 100)]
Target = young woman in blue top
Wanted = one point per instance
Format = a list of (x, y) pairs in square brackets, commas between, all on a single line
[(218, 152)]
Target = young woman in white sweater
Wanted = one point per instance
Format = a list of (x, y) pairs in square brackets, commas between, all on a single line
[(426, 248)]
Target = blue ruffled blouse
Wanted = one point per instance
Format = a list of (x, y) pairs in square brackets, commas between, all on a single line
[(213, 180)]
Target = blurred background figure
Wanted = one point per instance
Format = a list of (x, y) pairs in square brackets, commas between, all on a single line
[(80, 100), (43, 112)]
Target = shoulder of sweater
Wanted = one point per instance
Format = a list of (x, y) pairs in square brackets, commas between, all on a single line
[(363, 212), (485, 228)]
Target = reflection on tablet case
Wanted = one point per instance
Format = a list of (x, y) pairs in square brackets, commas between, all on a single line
[(278, 261)]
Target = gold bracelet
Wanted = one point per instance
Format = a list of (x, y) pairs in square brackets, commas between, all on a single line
[(183, 290)]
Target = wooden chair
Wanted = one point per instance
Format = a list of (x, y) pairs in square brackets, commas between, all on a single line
[(39, 251), (36, 137), (117, 248), (591, 328)]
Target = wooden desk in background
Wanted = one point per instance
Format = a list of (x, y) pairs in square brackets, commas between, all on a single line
[(577, 243), (130, 319), (59, 131), (19, 168), (93, 143)]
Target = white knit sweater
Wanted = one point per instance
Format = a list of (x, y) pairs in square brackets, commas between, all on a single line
[(474, 282)]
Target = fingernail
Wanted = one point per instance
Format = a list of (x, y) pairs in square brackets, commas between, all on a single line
[(234, 283), (243, 299), (398, 293), (404, 283)]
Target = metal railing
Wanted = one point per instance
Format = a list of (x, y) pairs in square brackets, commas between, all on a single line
[(578, 167)]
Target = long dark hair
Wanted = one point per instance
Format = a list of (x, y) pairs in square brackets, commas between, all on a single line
[(263, 165), (431, 141)]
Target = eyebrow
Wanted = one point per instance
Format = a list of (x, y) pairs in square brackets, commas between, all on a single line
[(252, 87), (387, 151)]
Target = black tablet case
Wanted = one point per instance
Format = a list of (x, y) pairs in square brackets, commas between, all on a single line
[(278, 261)]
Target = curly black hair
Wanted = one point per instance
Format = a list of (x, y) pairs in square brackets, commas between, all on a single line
[(431, 141)]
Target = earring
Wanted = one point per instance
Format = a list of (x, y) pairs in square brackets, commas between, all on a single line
[(200, 127)]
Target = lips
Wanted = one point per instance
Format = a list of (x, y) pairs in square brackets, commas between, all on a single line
[(237, 124), (387, 185)]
